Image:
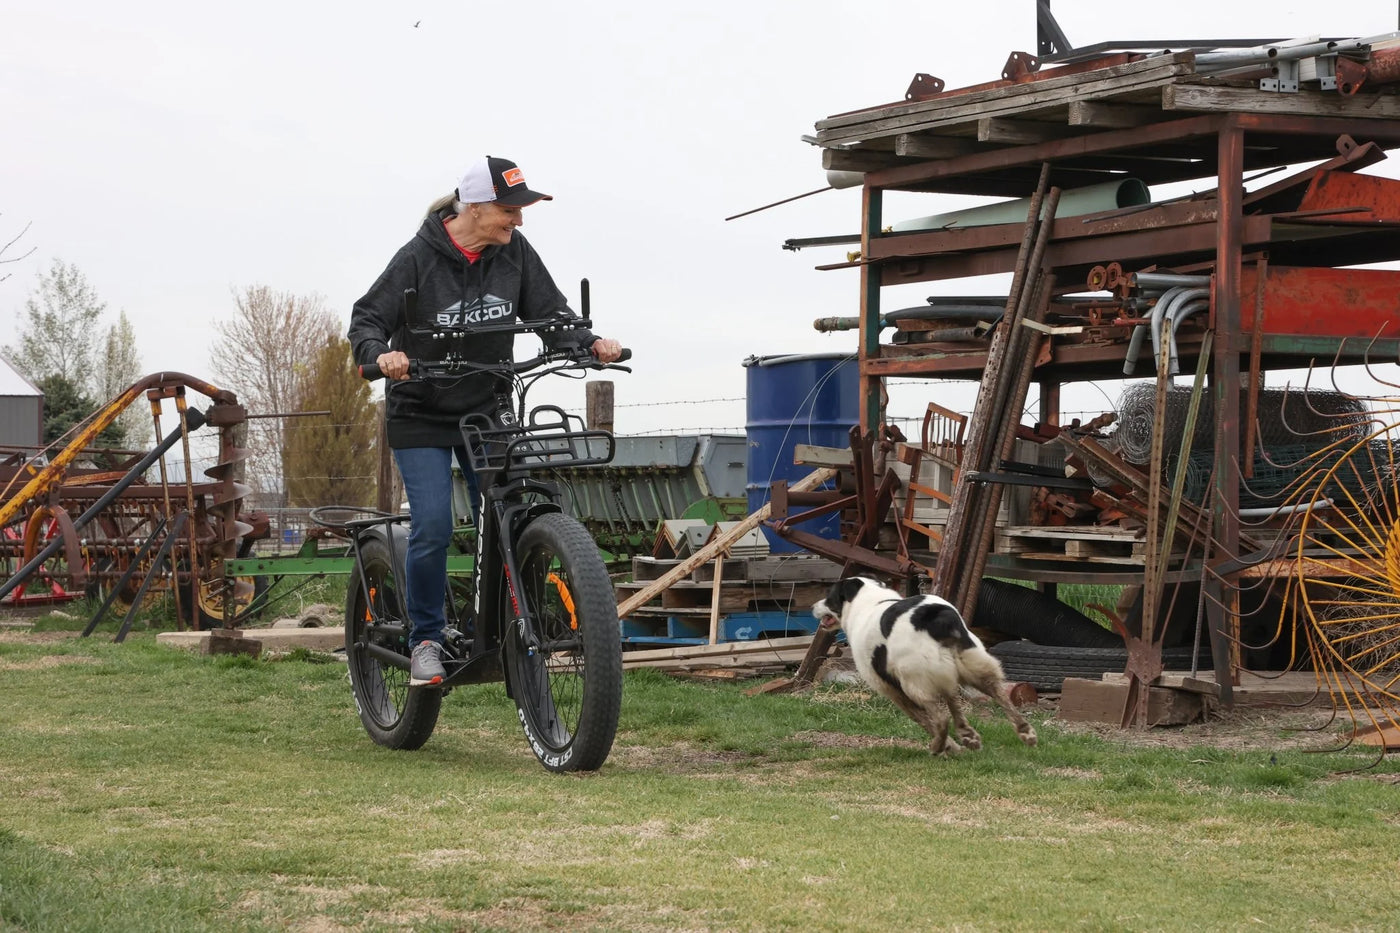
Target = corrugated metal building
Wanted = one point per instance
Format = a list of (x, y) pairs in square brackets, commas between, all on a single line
[(21, 409)]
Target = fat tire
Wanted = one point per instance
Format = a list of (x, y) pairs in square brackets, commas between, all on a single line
[(1045, 667), (569, 694), (394, 714)]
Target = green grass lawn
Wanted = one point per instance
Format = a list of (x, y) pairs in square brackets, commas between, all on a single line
[(150, 789)]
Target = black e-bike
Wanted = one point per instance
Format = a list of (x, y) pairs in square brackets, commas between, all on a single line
[(537, 609)]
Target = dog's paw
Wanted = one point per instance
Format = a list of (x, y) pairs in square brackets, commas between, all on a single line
[(969, 738), (950, 749), (1027, 735)]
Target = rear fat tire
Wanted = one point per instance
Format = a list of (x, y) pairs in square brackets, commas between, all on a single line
[(394, 714), (568, 694)]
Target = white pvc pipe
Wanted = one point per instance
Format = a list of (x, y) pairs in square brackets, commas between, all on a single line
[(1123, 192), (839, 179)]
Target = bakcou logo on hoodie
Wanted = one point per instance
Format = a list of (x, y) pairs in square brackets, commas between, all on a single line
[(486, 308)]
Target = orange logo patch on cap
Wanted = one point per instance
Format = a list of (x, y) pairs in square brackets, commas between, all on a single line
[(513, 177)]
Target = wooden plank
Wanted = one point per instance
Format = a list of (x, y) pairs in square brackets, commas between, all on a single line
[(794, 569), (1083, 700), (1073, 532), (724, 649), (649, 568), (715, 547), (772, 658), (1011, 132), (933, 147), (1109, 115), (814, 456), (1198, 97), (1006, 102), (716, 599), (859, 160), (1043, 89)]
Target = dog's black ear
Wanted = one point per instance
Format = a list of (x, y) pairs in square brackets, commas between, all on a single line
[(850, 587), (834, 599), (842, 592)]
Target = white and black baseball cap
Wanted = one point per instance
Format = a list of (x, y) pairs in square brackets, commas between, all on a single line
[(499, 180)]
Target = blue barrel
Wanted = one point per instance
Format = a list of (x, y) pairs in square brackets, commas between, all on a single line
[(791, 400)]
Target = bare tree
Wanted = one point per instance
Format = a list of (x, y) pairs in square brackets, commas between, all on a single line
[(9, 245), (61, 321), (260, 352), (118, 366)]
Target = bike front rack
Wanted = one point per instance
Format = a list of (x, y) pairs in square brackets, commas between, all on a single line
[(550, 438)]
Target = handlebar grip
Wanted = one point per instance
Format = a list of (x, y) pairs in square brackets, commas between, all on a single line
[(370, 371), (626, 355)]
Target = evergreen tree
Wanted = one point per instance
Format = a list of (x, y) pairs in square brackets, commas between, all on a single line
[(66, 405), (332, 459)]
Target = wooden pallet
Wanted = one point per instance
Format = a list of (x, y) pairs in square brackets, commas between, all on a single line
[(1080, 543)]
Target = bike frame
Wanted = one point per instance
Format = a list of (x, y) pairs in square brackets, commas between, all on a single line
[(502, 457), (502, 452)]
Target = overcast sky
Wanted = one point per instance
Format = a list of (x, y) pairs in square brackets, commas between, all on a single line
[(177, 152)]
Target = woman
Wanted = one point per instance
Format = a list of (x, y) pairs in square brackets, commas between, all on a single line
[(468, 265)]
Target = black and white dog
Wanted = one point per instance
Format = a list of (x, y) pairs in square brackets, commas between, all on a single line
[(918, 652)]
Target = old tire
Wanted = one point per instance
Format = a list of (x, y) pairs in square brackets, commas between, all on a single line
[(1045, 667)]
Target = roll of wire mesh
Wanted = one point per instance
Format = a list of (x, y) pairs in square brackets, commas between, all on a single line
[(1281, 472), (1286, 417)]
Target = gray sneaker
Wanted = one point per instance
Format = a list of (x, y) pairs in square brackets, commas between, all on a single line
[(427, 669)]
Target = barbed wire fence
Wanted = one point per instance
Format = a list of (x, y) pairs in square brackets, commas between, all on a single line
[(290, 526)]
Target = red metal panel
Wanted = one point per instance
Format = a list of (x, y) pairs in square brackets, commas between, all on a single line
[(1324, 302), (1347, 190)]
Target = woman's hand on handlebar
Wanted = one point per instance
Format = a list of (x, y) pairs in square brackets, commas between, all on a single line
[(393, 365), (607, 350)]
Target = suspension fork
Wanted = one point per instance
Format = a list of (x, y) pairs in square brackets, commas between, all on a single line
[(511, 519)]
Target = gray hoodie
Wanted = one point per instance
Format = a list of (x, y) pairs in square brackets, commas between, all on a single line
[(454, 297)]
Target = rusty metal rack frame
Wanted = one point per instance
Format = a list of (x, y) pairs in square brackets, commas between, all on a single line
[(1271, 252)]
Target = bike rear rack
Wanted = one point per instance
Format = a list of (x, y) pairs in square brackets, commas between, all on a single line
[(550, 438), (339, 520)]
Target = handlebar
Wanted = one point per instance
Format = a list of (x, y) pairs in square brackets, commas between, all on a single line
[(427, 369)]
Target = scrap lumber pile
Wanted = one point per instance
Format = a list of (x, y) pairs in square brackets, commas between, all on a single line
[(716, 599)]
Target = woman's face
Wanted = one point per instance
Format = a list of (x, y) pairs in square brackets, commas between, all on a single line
[(495, 222)]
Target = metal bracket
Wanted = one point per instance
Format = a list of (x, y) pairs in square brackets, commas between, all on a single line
[(1019, 66), (1327, 72), (1287, 80), (923, 87)]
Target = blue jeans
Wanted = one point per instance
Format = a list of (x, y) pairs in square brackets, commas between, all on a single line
[(427, 481)]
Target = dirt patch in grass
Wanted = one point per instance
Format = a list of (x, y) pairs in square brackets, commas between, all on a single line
[(24, 634), (44, 663), (1248, 729), (675, 758), (821, 739)]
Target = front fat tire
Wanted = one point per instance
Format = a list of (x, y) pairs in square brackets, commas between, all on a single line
[(394, 714), (569, 694)]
